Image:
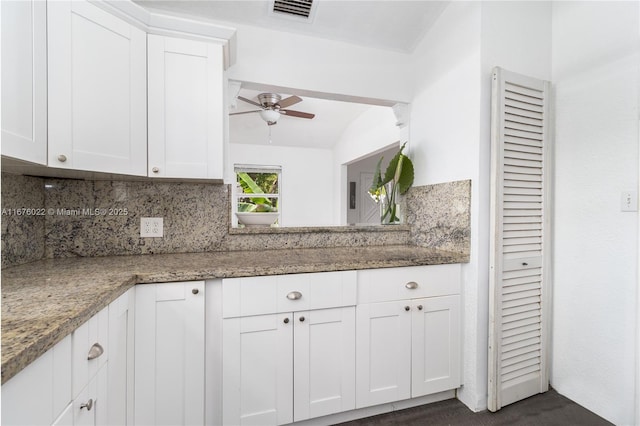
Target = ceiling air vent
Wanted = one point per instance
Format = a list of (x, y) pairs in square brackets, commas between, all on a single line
[(294, 8)]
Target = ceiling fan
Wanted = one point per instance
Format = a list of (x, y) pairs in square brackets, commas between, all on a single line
[(272, 107)]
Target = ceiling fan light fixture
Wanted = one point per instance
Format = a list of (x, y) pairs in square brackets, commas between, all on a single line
[(270, 116)]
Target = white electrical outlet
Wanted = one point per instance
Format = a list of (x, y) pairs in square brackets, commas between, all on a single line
[(151, 227)]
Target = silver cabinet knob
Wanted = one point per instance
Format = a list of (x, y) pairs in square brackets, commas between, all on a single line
[(62, 158), (195, 291), (155, 170), (301, 319), (419, 307), (411, 285), (95, 351), (407, 308), (88, 405), (294, 295), (286, 321)]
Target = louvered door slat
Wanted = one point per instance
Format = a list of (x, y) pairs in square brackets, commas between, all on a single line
[(524, 91), (523, 105), (522, 323), (522, 112), (519, 199), (535, 355), (525, 120)]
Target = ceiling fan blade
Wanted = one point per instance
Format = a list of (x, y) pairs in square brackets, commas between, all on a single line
[(249, 101), (291, 100), (298, 114), (245, 112)]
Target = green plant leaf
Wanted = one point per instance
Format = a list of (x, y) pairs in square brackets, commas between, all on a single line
[(249, 186), (405, 180)]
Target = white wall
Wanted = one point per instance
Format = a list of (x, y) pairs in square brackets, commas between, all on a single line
[(596, 82), (301, 62), (444, 146), (307, 180), (372, 132), (450, 133)]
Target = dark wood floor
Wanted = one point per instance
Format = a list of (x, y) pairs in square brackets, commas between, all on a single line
[(548, 409)]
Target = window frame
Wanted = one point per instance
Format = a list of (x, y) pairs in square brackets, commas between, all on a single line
[(254, 168)]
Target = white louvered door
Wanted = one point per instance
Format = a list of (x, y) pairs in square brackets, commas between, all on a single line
[(520, 211)]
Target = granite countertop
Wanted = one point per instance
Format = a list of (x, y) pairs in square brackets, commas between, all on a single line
[(46, 300)]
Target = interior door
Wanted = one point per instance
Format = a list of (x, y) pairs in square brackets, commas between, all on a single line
[(369, 211), (520, 265)]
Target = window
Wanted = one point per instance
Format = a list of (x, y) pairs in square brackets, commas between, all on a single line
[(257, 189)]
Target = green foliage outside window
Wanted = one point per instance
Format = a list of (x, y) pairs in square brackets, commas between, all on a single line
[(258, 183)]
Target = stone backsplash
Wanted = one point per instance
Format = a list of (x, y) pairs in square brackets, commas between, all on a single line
[(102, 218), (440, 216), (22, 230)]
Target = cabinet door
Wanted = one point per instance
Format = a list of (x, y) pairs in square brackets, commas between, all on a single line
[(435, 345), (41, 391), (93, 333), (258, 370), (66, 418), (185, 108), (383, 353), (120, 365), (324, 360), (169, 354), (24, 80), (91, 405), (97, 90)]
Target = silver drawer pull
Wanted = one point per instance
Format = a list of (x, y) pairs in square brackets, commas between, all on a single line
[(294, 295), (95, 351), (88, 405), (411, 285)]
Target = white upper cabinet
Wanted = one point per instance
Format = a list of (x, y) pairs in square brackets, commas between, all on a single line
[(24, 80), (97, 90), (185, 108)]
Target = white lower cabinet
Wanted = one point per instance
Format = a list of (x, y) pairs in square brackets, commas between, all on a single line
[(91, 405), (409, 347), (66, 418), (77, 382), (121, 359), (258, 370), (324, 361), (39, 393), (383, 345), (435, 344), (288, 366), (170, 354)]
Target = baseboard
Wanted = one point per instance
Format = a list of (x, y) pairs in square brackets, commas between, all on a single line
[(377, 409)]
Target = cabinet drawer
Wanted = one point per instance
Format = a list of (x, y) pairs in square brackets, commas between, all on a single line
[(382, 285), (89, 337), (287, 293)]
